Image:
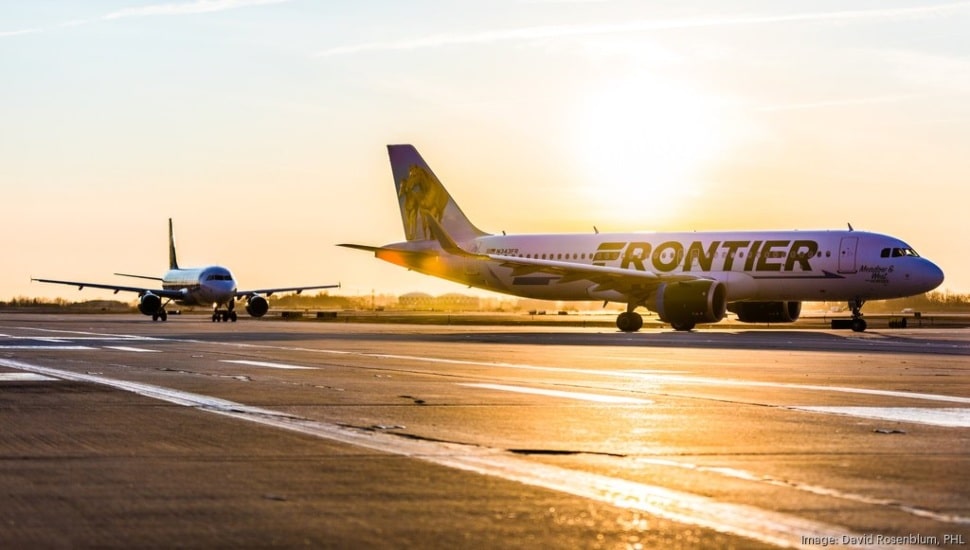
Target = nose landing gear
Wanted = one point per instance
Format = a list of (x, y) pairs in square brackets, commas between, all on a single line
[(858, 323), (225, 316)]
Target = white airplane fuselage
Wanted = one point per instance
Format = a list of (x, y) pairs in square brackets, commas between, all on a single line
[(755, 266), (202, 286)]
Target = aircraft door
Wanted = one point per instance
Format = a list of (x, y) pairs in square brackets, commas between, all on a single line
[(847, 254)]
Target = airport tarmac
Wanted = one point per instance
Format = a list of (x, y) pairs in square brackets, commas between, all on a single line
[(120, 432)]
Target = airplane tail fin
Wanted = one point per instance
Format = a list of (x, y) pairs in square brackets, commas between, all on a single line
[(421, 195), (172, 260)]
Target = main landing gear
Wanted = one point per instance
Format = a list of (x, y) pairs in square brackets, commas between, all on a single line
[(629, 320), (161, 314), (224, 316), (858, 323)]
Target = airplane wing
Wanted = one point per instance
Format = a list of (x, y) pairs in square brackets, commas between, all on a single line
[(140, 290), (626, 281), (271, 291), (629, 282)]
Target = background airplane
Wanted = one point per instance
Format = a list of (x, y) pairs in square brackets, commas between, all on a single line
[(686, 278), (212, 285)]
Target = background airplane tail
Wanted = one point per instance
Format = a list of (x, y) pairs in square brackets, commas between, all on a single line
[(173, 262), (421, 194)]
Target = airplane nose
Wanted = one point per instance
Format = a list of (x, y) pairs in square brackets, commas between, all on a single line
[(933, 275)]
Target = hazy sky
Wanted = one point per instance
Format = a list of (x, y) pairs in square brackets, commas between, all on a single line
[(260, 127)]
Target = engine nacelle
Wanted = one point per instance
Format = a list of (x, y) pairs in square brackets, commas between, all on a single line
[(149, 304), (257, 306), (767, 312), (687, 303)]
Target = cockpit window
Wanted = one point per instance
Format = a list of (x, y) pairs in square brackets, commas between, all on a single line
[(219, 278), (898, 253)]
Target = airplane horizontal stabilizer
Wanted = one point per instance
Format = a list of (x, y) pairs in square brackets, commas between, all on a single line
[(363, 247), (139, 276), (446, 242)]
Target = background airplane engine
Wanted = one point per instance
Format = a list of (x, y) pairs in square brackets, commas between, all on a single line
[(257, 306), (767, 312), (149, 304), (686, 303)]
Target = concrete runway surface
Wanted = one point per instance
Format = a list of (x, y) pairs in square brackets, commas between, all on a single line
[(119, 432)]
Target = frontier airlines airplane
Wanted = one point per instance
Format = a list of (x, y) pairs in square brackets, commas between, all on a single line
[(686, 278), (199, 286)]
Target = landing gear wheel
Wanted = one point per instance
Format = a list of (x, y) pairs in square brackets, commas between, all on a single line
[(859, 325), (683, 325), (163, 315), (629, 321), (215, 317), (233, 317)]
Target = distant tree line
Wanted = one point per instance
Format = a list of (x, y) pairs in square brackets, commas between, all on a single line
[(321, 300), (60, 304), (931, 301)]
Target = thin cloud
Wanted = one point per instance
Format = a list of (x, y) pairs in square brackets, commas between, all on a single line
[(849, 102), (565, 31), (186, 8), (21, 32), (154, 10)]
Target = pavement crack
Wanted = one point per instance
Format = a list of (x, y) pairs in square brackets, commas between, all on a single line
[(241, 378), (392, 430), (564, 452), (414, 399)]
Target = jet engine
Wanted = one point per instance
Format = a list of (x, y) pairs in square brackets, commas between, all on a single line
[(767, 312), (149, 304), (684, 304), (257, 306)]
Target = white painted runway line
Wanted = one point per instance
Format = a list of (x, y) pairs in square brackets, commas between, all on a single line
[(68, 341), (736, 519), (24, 377), (27, 347), (594, 397), (808, 488), (84, 335), (266, 364), (949, 417)]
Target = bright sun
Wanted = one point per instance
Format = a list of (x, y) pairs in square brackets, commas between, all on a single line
[(646, 141)]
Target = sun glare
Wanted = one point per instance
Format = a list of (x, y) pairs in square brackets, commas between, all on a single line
[(646, 141)]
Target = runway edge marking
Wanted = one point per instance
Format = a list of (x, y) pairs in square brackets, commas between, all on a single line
[(735, 519), (266, 364)]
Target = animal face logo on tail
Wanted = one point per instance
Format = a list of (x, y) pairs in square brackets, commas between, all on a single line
[(421, 194)]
